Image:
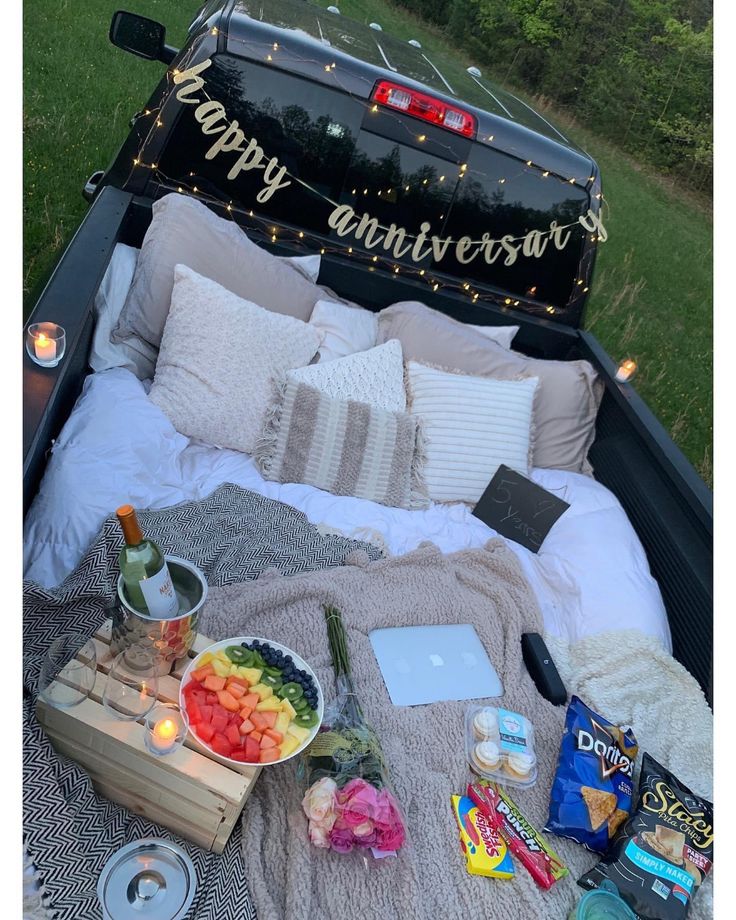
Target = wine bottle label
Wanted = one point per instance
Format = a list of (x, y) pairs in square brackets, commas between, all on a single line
[(159, 594)]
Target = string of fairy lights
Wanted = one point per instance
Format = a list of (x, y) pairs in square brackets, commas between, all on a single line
[(301, 239)]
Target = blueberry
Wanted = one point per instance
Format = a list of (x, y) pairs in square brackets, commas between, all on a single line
[(288, 659)]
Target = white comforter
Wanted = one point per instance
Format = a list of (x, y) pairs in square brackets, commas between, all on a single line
[(590, 576)]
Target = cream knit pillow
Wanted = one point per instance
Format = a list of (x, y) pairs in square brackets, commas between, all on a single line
[(375, 377), (218, 359), (471, 425)]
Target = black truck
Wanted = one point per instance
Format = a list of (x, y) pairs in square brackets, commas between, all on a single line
[(316, 133)]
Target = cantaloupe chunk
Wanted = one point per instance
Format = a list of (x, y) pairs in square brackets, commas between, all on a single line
[(214, 683), (267, 742), (289, 745), (269, 756), (235, 688), (255, 735), (228, 702), (251, 700), (277, 736), (203, 672), (270, 717), (245, 712), (258, 719)]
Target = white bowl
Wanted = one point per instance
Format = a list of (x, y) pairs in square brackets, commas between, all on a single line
[(298, 661)]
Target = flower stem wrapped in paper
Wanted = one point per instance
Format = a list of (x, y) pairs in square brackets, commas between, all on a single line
[(348, 801)]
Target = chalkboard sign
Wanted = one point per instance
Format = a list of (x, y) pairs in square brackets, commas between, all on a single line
[(518, 508)]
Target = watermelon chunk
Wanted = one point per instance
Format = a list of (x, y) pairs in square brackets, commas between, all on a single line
[(238, 755), (211, 699), (267, 742), (219, 721), (206, 713), (233, 735), (252, 750), (205, 731), (221, 746), (269, 756), (194, 712)]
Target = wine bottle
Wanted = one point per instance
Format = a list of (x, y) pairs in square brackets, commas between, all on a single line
[(146, 575)]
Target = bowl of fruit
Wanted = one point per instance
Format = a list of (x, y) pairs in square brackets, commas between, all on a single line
[(251, 700)]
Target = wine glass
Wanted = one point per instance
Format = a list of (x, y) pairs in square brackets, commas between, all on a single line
[(132, 685), (68, 671)]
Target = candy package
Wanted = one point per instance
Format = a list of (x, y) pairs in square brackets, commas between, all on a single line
[(526, 844), (485, 849), (663, 851), (592, 790)]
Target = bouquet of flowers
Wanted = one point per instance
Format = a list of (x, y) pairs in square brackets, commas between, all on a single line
[(348, 802)]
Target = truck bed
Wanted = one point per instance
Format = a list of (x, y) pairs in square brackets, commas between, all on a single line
[(667, 502)]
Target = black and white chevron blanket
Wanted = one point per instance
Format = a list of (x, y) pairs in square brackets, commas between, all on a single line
[(233, 535)]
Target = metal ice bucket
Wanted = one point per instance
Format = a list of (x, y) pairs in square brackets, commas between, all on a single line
[(169, 639)]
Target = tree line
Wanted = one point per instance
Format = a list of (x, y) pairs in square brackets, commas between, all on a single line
[(638, 72)]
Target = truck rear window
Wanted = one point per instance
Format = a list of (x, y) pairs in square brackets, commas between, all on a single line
[(339, 151)]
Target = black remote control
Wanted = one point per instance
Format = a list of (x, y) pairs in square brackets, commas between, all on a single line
[(542, 669)]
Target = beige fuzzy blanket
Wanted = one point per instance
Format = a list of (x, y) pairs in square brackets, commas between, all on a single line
[(423, 744)]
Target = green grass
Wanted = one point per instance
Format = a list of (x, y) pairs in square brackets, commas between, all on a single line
[(652, 291)]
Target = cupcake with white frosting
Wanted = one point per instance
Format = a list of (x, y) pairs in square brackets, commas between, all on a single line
[(485, 724), (487, 755)]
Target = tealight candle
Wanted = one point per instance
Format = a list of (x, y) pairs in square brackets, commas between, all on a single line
[(626, 370), (45, 343), (166, 729)]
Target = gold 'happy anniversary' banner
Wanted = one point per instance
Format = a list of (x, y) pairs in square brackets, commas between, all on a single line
[(230, 138)]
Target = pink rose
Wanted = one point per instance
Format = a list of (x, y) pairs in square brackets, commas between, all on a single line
[(358, 801), (389, 825), (341, 839), (319, 836), (320, 802), (364, 829)]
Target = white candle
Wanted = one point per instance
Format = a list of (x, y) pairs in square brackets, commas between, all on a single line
[(44, 348), (626, 370), (164, 734)]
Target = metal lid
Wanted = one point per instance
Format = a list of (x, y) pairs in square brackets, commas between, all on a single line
[(149, 878)]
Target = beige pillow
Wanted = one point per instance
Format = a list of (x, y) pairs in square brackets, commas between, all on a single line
[(568, 395), (183, 231), (219, 357)]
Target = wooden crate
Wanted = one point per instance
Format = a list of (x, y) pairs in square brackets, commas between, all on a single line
[(189, 791)]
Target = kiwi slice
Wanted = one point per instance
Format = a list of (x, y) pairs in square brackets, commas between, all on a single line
[(300, 705), (273, 672), (270, 681), (291, 691), (307, 718), (237, 654)]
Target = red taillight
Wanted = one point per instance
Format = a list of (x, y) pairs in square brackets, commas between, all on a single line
[(420, 105)]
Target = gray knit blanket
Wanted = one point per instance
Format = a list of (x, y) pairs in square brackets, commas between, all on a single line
[(424, 747), (233, 535)]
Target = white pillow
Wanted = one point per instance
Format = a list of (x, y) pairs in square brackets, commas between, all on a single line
[(502, 335), (375, 377), (346, 329), (218, 359), (471, 426), (133, 353), (308, 265)]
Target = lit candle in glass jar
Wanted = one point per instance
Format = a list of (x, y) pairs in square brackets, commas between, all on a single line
[(44, 347), (626, 370), (164, 734)]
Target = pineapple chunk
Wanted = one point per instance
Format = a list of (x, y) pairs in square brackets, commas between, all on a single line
[(220, 668), (288, 709), (263, 692), (282, 722), (298, 732), (221, 654), (252, 675), (270, 704), (289, 745), (204, 659), (234, 670)]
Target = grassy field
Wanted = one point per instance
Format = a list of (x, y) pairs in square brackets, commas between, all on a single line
[(652, 292)]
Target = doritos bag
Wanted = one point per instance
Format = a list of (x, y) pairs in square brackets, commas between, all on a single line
[(663, 852), (592, 789)]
